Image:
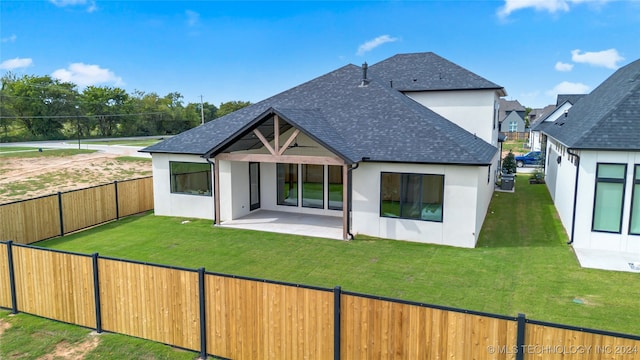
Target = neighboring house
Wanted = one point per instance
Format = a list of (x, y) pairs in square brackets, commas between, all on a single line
[(536, 116), (511, 116), (513, 123), (593, 165), (563, 104), (404, 149)]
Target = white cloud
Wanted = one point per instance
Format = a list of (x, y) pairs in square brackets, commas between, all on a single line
[(567, 87), (91, 4), (372, 44), (86, 75), (552, 6), (193, 18), (560, 66), (606, 58), (11, 38), (16, 63)]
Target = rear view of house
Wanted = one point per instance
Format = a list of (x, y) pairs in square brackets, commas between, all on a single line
[(404, 149)]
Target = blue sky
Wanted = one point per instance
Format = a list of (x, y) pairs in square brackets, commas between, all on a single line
[(251, 50)]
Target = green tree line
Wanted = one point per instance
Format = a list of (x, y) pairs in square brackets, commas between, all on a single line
[(44, 108)]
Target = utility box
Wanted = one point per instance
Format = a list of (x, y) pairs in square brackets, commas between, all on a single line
[(507, 182)]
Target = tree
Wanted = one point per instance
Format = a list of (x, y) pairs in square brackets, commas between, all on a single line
[(509, 163), (231, 106), (39, 103), (104, 105)]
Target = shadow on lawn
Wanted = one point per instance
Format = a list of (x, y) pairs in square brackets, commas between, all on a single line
[(525, 218)]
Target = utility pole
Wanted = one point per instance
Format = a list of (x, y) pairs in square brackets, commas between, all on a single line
[(201, 110)]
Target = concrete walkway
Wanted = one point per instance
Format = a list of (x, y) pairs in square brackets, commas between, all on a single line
[(329, 227), (608, 260)]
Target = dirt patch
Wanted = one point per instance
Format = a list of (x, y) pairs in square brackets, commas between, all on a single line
[(64, 350), (4, 326), (25, 178)]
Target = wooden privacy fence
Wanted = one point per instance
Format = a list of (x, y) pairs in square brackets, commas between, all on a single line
[(243, 318), (41, 218)]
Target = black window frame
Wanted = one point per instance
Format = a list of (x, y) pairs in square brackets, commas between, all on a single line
[(595, 196), (402, 195), (297, 184), (173, 182), (329, 183), (636, 181), (304, 201)]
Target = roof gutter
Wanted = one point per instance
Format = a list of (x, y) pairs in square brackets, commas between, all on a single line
[(575, 196)]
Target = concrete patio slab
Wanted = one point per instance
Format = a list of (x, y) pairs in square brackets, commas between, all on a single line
[(608, 260), (289, 223)]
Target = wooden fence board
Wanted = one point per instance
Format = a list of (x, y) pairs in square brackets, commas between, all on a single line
[(546, 342), (88, 207), (55, 285), (249, 319), (150, 302), (135, 196), (379, 329), (32, 220), (5, 286)]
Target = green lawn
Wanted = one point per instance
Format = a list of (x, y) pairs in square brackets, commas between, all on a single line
[(520, 265), (516, 146), (16, 148), (129, 142), (31, 337), (46, 153)]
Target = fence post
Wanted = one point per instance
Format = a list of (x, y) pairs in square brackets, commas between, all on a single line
[(115, 184), (203, 315), (12, 278), (337, 291), (96, 292), (520, 337), (60, 212)]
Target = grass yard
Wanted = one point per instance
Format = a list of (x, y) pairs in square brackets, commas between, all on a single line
[(25, 336), (516, 146), (45, 153), (520, 265), (126, 142)]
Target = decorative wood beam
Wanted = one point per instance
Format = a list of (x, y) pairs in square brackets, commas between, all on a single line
[(292, 159), (276, 134), (289, 141), (264, 141)]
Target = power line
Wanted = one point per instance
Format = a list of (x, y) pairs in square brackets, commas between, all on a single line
[(75, 116)]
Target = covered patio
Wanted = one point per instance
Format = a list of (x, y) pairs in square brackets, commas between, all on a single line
[(329, 227)]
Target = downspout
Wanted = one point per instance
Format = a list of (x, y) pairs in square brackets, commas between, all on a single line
[(575, 196), (349, 198), (212, 188)]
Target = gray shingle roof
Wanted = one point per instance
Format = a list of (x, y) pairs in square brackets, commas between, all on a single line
[(571, 98), (607, 118), (426, 72), (373, 121)]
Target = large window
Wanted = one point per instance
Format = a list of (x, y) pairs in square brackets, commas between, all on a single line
[(287, 184), (190, 178), (411, 196), (513, 126), (634, 225), (335, 187), (313, 186), (607, 207)]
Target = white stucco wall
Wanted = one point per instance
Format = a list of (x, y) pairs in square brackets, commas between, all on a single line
[(182, 205), (234, 189), (473, 110), (564, 192), (461, 200), (584, 237)]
